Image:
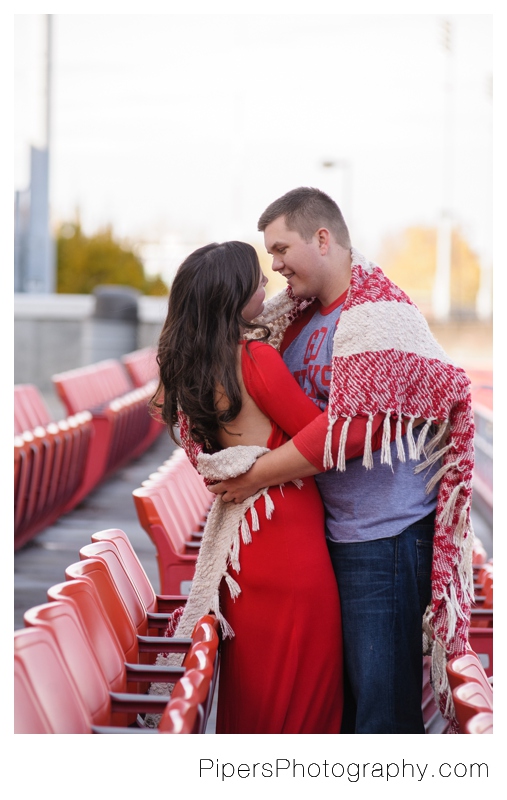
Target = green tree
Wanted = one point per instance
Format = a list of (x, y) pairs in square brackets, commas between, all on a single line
[(84, 262)]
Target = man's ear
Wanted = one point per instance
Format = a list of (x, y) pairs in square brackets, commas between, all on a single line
[(323, 238)]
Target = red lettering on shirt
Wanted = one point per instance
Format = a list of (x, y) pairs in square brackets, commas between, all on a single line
[(300, 376), (312, 375), (314, 344), (325, 375)]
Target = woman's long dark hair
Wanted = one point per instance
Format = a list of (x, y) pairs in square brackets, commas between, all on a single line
[(197, 349)]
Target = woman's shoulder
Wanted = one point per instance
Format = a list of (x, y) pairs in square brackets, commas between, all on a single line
[(259, 350)]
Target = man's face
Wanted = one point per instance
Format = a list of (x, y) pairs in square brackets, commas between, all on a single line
[(298, 261)]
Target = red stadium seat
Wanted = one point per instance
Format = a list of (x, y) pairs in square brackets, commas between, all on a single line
[(153, 602), (46, 699), (121, 421), (468, 667), (49, 462), (480, 723), (469, 699)]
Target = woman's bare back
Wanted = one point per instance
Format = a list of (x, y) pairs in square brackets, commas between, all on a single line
[(251, 426)]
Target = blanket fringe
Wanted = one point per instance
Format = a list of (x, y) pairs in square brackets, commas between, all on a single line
[(255, 518), (432, 458), (439, 678), (269, 506), (465, 568), (234, 554), (328, 453), (421, 439), (437, 438), (227, 631), (385, 453), (400, 450), (234, 587), (412, 447), (340, 464), (450, 506), (246, 534), (368, 455), (439, 474)]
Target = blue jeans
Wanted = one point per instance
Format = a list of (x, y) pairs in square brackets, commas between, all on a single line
[(385, 586)]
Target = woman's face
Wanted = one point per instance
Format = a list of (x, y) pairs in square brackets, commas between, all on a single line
[(255, 305)]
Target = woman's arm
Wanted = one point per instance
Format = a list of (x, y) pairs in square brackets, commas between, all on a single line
[(278, 395)]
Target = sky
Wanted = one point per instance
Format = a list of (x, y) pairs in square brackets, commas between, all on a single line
[(179, 129)]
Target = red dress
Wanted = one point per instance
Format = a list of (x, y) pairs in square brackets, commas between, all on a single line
[(282, 671)]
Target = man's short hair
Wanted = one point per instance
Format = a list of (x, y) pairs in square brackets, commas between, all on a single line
[(305, 211)]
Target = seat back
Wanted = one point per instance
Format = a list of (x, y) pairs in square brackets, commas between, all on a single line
[(98, 573), (188, 490), (179, 716), (132, 564), (63, 621), (141, 365), (86, 388), (161, 523), (107, 552), (160, 507), (480, 723), (45, 692), (193, 686), (196, 686), (481, 641), (469, 699), (468, 668), (30, 408), (99, 630)]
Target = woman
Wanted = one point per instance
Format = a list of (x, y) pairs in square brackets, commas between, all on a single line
[(281, 671)]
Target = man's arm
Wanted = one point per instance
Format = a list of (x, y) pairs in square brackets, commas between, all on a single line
[(282, 465), (287, 462)]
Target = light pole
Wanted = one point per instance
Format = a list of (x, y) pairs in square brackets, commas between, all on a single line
[(441, 299)]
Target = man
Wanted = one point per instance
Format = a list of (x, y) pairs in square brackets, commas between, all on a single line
[(357, 345)]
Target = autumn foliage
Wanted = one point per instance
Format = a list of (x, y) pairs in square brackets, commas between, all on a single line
[(410, 259), (84, 262)]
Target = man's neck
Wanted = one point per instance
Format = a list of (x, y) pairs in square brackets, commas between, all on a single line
[(338, 277)]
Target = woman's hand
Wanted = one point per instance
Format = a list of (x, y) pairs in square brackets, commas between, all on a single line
[(235, 490)]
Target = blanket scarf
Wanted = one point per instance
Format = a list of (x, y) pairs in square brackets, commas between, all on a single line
[(385, 359)]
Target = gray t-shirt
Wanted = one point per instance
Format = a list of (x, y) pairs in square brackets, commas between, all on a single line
[(360, 504)]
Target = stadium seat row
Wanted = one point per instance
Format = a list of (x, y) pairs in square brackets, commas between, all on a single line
[(85, 659), (56, 464), (481, 629), (472, 693), (172, 505)]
